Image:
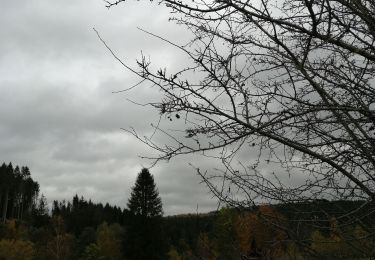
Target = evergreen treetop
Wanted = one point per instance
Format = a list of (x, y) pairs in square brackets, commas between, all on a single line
[(144, 199)]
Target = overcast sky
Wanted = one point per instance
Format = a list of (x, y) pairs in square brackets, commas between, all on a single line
[(58, 114)]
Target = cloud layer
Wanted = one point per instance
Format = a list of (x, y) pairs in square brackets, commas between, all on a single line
[(58, 113)]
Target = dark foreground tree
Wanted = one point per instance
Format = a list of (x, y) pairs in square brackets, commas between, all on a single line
[(145, 200), (144, 238), (293, 79)]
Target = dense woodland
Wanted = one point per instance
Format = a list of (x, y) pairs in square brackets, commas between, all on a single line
[(82, 229), (18, 191)]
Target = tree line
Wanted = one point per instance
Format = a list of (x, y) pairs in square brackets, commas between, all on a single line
[(18, 192), (82, 229)]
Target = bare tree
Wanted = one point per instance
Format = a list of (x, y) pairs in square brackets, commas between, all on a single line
[(294, 79)]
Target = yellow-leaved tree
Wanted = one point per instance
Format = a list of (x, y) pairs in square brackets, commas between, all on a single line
[(258, 233), (13, 249)]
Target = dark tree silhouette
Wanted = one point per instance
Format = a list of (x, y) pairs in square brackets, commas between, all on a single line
[(145, 200), (144, 239), (18, 191), (79, 214)]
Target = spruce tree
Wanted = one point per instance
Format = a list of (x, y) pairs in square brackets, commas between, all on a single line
[(144, 236), (145, 200)]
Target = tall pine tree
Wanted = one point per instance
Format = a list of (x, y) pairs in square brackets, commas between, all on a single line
[(145, 200), (144, 234)]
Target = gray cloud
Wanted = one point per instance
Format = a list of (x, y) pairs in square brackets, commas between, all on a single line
[(58, 113)]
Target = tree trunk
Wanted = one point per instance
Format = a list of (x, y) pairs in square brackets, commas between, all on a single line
[(5, 207), (21, 209), (12, 206), (1, 202)]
